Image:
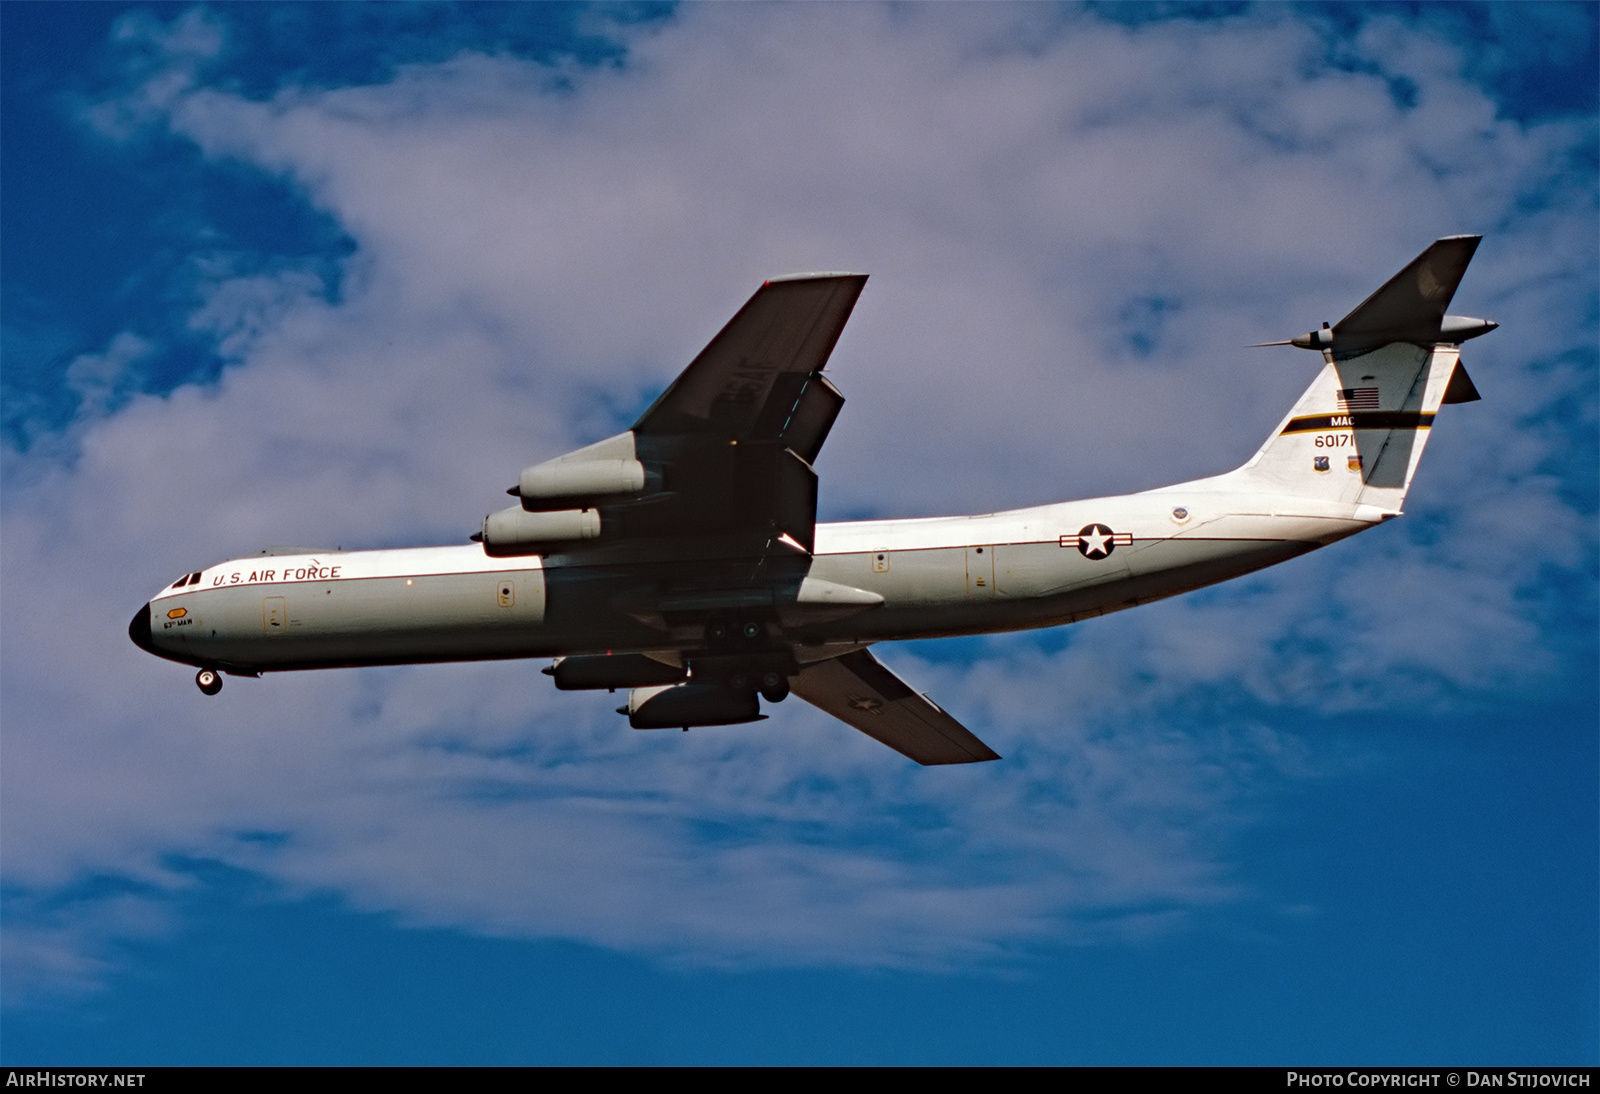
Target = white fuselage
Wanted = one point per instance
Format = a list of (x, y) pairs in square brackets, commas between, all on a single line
[(938, 576)]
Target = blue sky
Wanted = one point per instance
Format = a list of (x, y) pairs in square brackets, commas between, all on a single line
[(331, 273)]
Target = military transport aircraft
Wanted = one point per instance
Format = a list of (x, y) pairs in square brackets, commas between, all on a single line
[(682, 559)]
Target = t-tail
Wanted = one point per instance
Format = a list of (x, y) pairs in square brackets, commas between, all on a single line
[(1357, 433)]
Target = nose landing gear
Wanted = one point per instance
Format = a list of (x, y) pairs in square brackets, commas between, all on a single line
[(209, 680)]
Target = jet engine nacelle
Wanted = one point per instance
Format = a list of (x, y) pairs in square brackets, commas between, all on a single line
[(611, 670), (557, 479), (685, 705), (515, 527)]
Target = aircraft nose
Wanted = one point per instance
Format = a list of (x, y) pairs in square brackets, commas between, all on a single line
[(139, 630)]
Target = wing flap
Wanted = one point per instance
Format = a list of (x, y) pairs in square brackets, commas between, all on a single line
[(812, 417), (857, 689)]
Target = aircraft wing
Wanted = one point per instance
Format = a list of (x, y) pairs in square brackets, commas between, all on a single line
[(858, 689), (721, 462), (738, 430), (748, 382)]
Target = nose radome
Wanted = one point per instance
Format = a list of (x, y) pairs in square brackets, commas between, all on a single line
[(139, 630)]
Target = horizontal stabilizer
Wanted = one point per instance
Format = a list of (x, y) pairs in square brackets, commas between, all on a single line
[(1411, 305), (858, 689)]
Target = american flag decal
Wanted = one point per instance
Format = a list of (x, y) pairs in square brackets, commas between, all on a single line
[(1358, 398)]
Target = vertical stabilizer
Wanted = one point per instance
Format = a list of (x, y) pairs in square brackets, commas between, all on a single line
[(1357, 433)]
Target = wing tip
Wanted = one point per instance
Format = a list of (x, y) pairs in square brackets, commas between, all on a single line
[(821, 275), (942, 762)]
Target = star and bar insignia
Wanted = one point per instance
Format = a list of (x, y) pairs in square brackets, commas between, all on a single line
[(1096, 541)]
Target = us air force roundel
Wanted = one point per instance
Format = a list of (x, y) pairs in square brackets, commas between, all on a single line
[(1096, 541)]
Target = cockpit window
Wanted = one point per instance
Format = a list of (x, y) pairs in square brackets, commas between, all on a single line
[(182, 581)]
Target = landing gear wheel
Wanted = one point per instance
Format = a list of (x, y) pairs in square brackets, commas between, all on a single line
[(774, 687), (210, 681)]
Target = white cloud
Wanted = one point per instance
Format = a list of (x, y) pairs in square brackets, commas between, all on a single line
[(99, 379), (167, 58), (534, 263)]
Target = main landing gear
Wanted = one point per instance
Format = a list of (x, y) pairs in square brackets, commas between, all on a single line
[(773, 686), (210, 681), (743, 659)]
